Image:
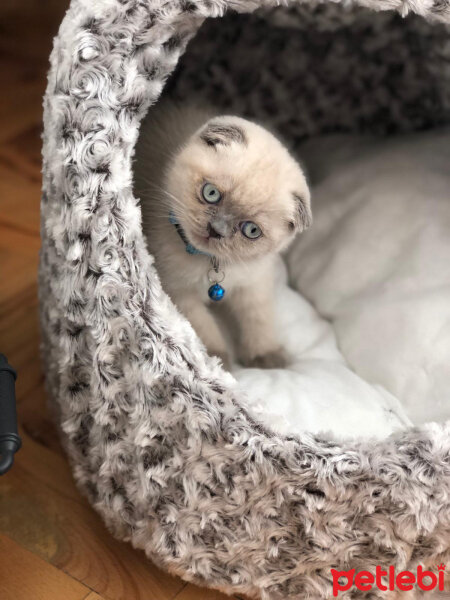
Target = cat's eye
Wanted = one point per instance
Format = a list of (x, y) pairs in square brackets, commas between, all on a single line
[(211, 194), (251, 230)]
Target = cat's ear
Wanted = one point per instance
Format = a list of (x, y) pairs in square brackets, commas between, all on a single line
[(303, 212), (216, 133)]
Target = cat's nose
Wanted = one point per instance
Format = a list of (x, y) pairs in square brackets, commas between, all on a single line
[(212, 231), (219, 226)]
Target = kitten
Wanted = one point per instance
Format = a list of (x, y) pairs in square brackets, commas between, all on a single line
[(219, 189)]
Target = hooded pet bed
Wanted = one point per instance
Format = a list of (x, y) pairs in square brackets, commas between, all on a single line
[(157, 433)]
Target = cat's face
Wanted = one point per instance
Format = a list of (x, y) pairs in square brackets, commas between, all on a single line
[(237, 192)]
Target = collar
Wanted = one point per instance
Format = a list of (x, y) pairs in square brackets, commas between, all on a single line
[(215, 291), (190, 249)]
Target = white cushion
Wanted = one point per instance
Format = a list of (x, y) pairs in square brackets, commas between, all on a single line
[(376, 267)]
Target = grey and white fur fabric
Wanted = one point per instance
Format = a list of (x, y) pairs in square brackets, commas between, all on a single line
[(154, 428)]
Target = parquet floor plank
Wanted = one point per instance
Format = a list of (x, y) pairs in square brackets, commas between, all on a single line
[(193, 592), (42, 511), (25, 576)]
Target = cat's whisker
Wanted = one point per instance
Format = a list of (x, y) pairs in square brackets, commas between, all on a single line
[(161, 190), (167, 198)]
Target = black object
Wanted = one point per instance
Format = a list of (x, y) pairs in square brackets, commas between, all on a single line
[(10, 441)]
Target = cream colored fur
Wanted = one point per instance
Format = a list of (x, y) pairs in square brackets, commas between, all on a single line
[(259, 181)]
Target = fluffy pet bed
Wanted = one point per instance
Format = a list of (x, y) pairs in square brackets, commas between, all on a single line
[(162, 441)]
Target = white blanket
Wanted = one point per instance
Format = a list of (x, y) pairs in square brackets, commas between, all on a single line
[(376, 268)]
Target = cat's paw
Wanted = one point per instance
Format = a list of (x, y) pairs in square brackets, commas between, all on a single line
[(275, 359)]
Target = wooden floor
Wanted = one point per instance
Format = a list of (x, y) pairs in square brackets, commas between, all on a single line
[(52, 544)]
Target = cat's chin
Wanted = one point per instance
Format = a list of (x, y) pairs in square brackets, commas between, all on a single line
[(200, 242), (204, 244), (207, 245)]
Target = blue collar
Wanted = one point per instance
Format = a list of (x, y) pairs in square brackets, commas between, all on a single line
[(216, 292), (190, 249)]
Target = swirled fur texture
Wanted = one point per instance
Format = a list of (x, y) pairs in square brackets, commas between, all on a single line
[(155, 431)]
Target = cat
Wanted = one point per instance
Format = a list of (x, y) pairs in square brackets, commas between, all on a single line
[(221, 197)]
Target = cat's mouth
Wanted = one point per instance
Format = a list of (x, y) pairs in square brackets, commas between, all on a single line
[(192, 237), (205, 236), (205, 239), (208, 243)]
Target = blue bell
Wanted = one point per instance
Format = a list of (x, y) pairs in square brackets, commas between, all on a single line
[(216, 292)]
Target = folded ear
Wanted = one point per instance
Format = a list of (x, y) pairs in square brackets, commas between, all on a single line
[(304, 214), (216, 133)]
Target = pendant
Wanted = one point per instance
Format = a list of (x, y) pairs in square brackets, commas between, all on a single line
[(216, 292)]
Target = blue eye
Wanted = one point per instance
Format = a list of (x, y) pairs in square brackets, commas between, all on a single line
[(251, 230), (211, 194)]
